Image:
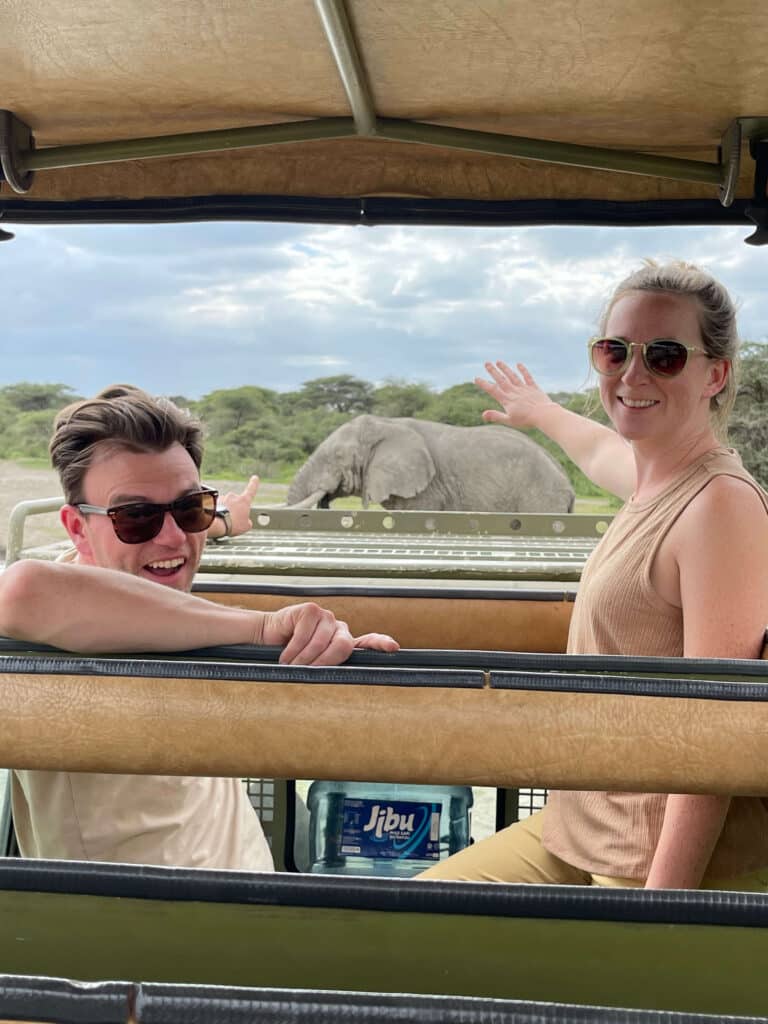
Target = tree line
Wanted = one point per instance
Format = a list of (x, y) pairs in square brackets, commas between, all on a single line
[(254, 429)]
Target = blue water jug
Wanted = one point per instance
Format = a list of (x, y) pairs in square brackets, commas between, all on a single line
[(382, 828)]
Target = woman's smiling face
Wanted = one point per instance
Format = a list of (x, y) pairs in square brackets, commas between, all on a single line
[(641, 405)]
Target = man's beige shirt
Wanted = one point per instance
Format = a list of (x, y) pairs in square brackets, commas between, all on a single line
[(138, 819)]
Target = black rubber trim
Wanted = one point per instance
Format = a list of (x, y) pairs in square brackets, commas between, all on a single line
[(70, 664), (376, 210), (169, 1004), (311, 592), (66, 1002), (407, 658), (487, 899), (602, 663), (632, 686), (491, 661), (30, 998), (510, 661)]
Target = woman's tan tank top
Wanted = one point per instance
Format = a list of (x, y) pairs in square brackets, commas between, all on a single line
[(617, 611)]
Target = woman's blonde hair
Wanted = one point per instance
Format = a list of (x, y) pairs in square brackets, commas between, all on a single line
[(717, 319)]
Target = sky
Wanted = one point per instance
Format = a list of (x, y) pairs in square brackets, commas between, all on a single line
[(185, 309)]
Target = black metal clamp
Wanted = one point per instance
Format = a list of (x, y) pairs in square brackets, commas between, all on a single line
[(755, 131), (757, 210), (15, 138)]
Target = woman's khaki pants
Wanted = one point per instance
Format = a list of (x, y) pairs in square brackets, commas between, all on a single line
[(516, 854)]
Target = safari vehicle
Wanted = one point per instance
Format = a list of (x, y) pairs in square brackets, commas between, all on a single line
[(369, 114)]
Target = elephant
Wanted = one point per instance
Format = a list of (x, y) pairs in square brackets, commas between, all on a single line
[(404, 463)]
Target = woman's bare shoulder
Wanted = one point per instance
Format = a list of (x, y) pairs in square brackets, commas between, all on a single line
[(721, 553), (727, 521), (735, 498)]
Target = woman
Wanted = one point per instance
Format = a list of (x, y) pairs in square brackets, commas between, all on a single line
[(682, 571)]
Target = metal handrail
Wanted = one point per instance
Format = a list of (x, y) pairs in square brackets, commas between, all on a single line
[(19, 514), (492, 527)]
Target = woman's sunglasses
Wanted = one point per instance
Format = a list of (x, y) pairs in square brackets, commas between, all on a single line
[(664, 357), (140, 521)]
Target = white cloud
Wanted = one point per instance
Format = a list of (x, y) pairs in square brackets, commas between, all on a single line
[(190, 308), (216, 307), (327, 361)]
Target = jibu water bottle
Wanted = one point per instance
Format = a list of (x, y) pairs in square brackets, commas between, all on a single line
[(378, 828)]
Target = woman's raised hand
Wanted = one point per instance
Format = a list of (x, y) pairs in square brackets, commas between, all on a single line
[(518, 394)]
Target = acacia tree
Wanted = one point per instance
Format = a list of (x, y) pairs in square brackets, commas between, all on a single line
[(461, 405), (27, 412), (27, 397), (341, 393), (230, 408), (400, 398)]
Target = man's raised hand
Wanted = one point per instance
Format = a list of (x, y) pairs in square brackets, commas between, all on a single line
[(239, 505)]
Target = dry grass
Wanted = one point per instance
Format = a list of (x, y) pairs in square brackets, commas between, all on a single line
[(18, 483)]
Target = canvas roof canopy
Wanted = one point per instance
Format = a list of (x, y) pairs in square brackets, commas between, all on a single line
[(563, 109)]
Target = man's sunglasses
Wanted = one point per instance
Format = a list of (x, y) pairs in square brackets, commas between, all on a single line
[(140, 521), (663, 357)]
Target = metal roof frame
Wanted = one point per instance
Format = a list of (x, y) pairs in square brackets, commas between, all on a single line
[(20, 162)]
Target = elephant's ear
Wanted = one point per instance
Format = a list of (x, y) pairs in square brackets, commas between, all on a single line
[(400, 464)]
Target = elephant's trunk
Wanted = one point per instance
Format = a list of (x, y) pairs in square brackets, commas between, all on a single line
[(315, 480), (305, 484)]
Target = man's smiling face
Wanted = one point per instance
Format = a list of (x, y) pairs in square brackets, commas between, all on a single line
[(117, 477)]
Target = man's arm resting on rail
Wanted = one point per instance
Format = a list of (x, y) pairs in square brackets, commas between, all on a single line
[(597, 450), (87, 609)]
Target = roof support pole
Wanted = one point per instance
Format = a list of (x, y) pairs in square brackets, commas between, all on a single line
[(336, 25), (596, 157), (385, 128), (186, 144), (719, 174)]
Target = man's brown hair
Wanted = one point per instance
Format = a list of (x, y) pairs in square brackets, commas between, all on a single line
[(120, 418)]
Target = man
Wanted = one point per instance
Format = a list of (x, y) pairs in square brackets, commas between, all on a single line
[(129, 466)]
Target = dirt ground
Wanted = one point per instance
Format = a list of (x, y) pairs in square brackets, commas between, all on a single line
[(18, 483)]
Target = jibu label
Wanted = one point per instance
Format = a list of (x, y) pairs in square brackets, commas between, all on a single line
[(395, 829)]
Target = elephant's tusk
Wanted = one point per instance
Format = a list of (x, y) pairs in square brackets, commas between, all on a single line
[(311, 501)]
